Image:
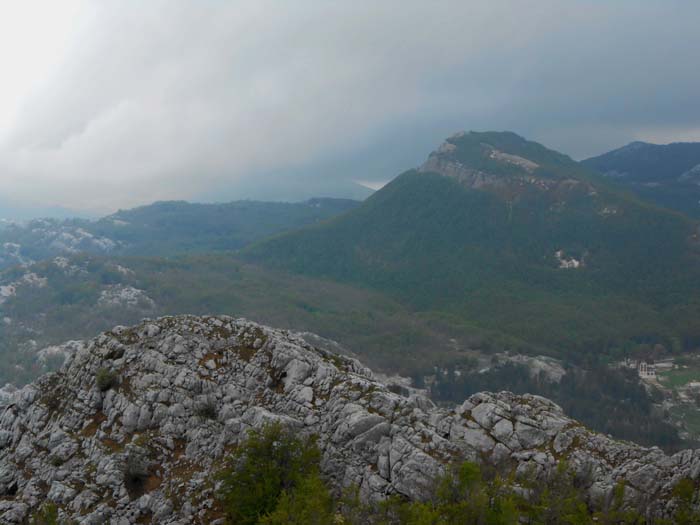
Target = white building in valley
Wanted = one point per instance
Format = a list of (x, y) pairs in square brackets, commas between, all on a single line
[(646, 371)]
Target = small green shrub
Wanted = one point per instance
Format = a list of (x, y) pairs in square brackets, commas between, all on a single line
[(272, 462), (106, 379), (46, 515), (207, 409), (309, 503)]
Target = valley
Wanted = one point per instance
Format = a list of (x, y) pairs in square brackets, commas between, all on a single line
[(511, 262)]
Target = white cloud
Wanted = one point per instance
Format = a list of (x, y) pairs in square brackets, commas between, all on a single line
[(176, 99), (30, 48)]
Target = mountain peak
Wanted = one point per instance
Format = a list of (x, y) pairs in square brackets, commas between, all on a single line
[(496, 159), (633, 148), (638, 144)]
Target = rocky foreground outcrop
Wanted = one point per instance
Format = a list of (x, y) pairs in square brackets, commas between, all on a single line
[(143, 442)]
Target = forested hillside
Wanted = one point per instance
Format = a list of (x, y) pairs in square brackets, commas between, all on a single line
[(518, 243), (162, 229)]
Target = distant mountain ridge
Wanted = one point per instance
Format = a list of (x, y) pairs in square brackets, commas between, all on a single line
[(162, 229), (668, 175)]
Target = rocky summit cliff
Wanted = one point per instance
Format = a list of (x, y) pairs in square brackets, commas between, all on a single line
[(138, 421), (508, 164)]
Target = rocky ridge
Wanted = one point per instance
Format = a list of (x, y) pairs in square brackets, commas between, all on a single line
[(137, 422), (487, 167)]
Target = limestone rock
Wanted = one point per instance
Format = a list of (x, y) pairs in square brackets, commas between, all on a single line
[(189, 388)]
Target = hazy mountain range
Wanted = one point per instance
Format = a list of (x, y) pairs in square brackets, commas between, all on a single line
[(668, 175), (496, 246), (161, 229)]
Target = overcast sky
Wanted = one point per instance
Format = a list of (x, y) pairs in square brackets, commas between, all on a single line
[(112, 104)]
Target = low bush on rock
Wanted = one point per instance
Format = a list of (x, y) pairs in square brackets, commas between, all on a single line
[(106, 379), (47, 515), (207, 409), (274, 479), (273, 474)]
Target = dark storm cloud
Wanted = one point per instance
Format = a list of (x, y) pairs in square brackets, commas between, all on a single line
[(242, 99)]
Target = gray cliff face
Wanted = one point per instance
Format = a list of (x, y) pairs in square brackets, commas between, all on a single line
[(187, 389), (514, 175), (443, 162)]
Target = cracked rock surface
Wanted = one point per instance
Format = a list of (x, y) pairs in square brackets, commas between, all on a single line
[(145, 446)]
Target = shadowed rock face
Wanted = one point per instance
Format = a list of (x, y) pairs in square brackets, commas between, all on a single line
[(477, 164), (186, 389)]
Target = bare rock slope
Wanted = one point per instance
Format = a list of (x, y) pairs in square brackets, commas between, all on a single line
[(143, 442)]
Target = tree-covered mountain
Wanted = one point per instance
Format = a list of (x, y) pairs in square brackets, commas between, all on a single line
[(169, 228), (162, 229), (517, 242), (668, 175)]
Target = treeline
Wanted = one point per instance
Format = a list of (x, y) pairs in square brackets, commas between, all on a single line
[(274, 478), (611, 401)]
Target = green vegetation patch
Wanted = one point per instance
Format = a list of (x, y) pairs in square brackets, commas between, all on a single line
[(680, 377), (274, 479)]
